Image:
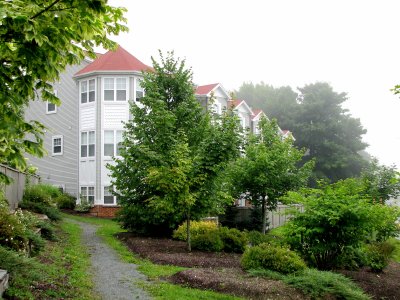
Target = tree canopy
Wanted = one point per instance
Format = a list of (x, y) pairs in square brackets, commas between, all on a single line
[(319, 123), (38, 39), (173, 154), (269, 168)]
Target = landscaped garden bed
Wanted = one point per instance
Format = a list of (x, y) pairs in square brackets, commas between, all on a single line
[(221, 272)]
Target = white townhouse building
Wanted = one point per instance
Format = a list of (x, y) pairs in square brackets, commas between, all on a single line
[(83, 134)]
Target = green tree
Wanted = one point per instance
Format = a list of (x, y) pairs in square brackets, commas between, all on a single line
[(319, 123), (268, 169), (38, 39), (174, 153), (337, 216), (380, 182)]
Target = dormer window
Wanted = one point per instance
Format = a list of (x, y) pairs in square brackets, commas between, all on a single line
[(115, 89)]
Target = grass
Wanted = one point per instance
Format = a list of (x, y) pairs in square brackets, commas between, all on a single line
[(157, 288), (59, 272), (396, 252)]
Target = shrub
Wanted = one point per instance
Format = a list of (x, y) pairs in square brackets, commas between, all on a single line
[(352, 258), (209, 241), (324, 285), (196, 228), (378, 255), (23, 272), (233, 239), (338, 215), (47, 231), (65, 201), (34, 193), (83, 207), (256, 238), (275, 258), (35, 243), (13, 233), (41, 208)]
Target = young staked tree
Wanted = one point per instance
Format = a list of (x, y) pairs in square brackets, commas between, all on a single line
[(268, 169), (173, 154), (38, 39)]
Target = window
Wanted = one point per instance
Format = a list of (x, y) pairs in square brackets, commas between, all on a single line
[(115, 89), (113, 142), (87, 143), (57, 145), (87, 194), (88, 91), (139, 90), (108, 142), (51, 108), (109, 198)]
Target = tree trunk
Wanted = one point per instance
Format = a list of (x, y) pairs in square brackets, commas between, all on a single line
[(189, 244), (264, 215)]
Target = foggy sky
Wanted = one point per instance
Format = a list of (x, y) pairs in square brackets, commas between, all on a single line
[(353, 45)]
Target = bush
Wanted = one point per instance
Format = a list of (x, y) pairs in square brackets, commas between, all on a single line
[(13, 233), (41, 208), (352, 258), (65, 201), (47, 231), (275, 258), (196, 228), (233, 239), (41, 193), (324, 285), (256, 238), (36, 243), (83, 207), (210, 241), (23, 272), (378, 255)]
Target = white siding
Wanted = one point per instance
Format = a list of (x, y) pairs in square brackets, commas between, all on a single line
[(87, 117), (114, 115)]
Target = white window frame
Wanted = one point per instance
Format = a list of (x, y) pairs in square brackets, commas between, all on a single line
[(115, 89), (108, 188), (88, 195), (88, 90), (114, 143), (53, 138), (87, 144), (138, 88), (49, 112)]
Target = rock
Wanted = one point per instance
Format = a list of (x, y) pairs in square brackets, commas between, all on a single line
[(3, 281)]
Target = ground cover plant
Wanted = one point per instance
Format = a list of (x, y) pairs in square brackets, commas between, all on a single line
[(58, 272)]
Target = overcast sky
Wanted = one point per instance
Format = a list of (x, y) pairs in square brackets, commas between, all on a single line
[(352, 44)]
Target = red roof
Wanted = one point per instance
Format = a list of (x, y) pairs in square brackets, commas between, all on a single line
[(118, 60), (205, 89), (256, 112), (236, 103)]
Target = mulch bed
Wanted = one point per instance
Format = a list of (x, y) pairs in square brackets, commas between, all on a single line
[(221, 272), (385, 285)]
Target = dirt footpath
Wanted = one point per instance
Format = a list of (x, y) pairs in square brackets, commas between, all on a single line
[(113, 278)]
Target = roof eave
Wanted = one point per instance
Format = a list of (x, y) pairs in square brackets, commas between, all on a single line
[(107, 72)]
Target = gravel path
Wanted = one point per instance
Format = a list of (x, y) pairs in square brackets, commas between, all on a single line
[(113, 278)]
